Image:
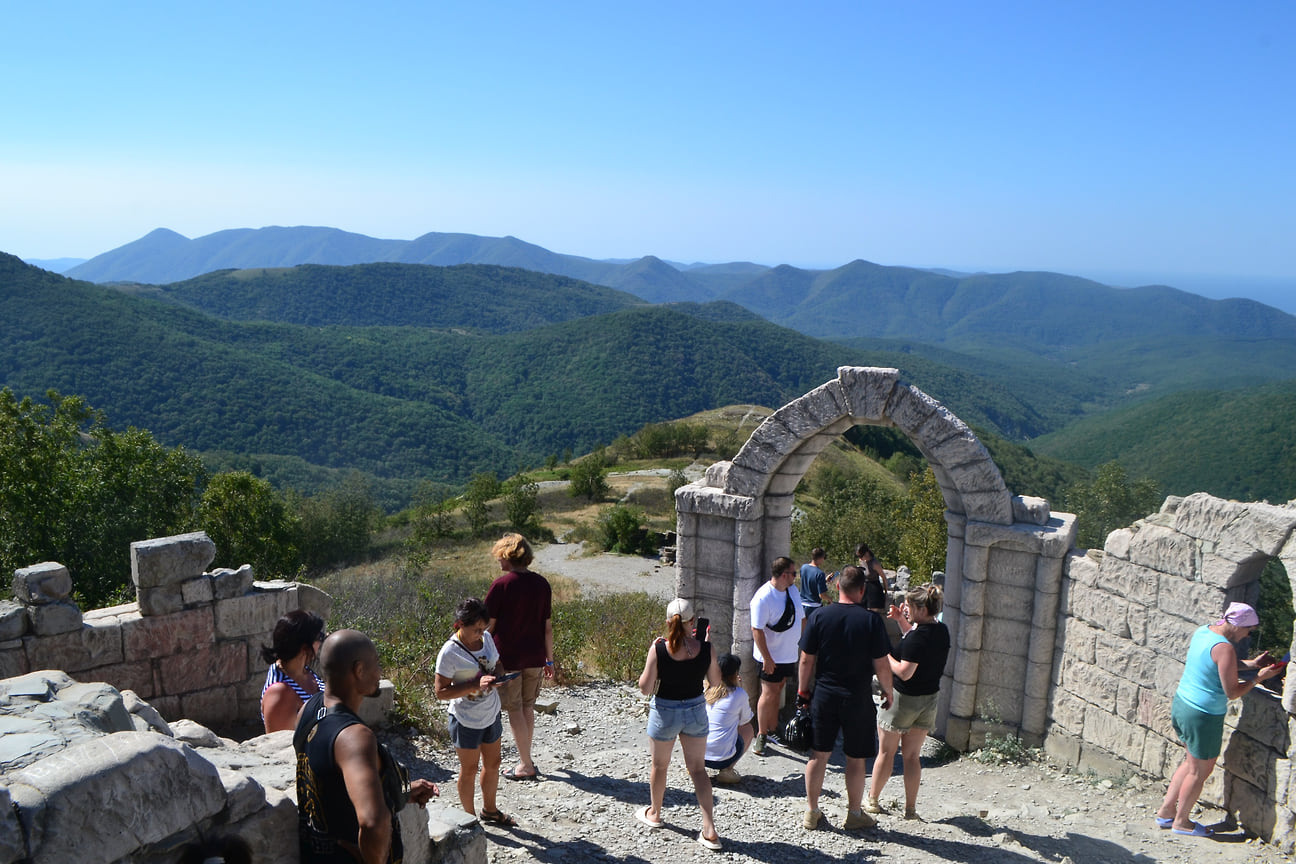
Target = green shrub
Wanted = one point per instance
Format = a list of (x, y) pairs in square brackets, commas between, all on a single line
[(622, 530), (1006, 750), (606, 636)]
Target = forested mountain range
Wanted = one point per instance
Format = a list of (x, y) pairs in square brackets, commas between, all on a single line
[(411, 372)]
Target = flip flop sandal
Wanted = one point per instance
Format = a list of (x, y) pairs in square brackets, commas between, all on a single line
[(1198, 830), (1163, 823), (642, 815), (713, 845), (512, 774), (498, 817)]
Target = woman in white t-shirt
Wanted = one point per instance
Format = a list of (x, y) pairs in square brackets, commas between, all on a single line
[(465, 674), (729, 716)]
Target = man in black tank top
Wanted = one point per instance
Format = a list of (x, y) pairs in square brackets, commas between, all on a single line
[(337, 752)]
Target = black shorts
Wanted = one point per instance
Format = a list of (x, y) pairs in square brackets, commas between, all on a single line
[(782, 672), (854, 717)]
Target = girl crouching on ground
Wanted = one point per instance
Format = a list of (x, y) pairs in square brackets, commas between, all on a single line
[(729, 717)]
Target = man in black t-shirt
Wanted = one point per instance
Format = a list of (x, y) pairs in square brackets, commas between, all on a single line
[(843, 647)]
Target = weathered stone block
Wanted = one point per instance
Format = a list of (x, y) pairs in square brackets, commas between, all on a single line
[(1118, 737), (374, 709), (1158, 753), (1217, 572), (1163, 549), (137, 676), (167, 560), (203, 667), (1132, 581), (1005, 633), (247, 615), (1079, 639), (164, 635), (13, 620), (867, 390), (1251, 760), (1062, 747), (1254, 808), (126, 790), (227, 583), (999, 704), (1170, 635), (197, 591), (84, 648), (314, 600), (1118, 543), (13, 659), (1034, 511), (1089, 682), (160, 601), (1067, 711), (51, 619), (216, 706), (1082, 569), (981, 475), (1006, 601), (1190, 600), (48, 582), (1206, 517), (1008, 567)]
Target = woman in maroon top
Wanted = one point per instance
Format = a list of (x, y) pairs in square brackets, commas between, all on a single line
[(521, 607)]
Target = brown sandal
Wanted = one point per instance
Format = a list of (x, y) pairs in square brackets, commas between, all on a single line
[(498, 817)]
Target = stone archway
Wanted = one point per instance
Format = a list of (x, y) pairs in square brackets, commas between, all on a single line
[(737, 520)]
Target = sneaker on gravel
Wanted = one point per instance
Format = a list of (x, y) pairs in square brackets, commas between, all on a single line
[(811, 819), (772, 738), (728, 775), (855, 821), (871, 805), (758, 745)]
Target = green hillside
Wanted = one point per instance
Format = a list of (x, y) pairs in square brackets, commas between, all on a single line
[(1235, 444), (475, 297)]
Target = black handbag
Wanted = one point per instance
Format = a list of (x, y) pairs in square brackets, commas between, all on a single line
[(798, 731)]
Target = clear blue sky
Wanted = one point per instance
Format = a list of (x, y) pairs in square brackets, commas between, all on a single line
[(1118, 140)]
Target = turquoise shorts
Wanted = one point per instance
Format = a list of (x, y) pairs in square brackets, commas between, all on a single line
[(1201, 733)]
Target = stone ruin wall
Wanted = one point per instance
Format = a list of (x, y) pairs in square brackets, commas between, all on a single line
[(105, 752), (1128, 613), (190, 646)]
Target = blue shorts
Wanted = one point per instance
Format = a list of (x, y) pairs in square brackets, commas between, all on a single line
[(668, 718), (720, 764), (466, 738)]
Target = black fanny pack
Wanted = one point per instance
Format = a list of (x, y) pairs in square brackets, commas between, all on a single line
[(788, 618)]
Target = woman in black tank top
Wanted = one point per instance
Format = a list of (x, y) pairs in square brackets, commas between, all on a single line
[(674, 673)]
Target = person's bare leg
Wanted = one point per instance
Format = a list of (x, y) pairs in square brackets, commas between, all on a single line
[(490, 775), (466, 782), (695, 761), (661, 753), (1169, 808), (856, 771), (1190, 790), (888, 743), (911, 744), (522, 722), (767, 706), (814, 777)]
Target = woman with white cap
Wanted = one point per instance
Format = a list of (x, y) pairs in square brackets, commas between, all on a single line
[(1210, 679), (673, 674)]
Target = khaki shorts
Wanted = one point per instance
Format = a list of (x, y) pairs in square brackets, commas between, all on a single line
[(908, 712), (522, 690)]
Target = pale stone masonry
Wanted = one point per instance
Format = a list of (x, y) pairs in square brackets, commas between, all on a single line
[(1128, 614), (1078, 651)]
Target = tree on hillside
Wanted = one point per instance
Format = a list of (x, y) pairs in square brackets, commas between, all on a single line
[(589, 478), (483, 486), (73, 490), (522, 505), (250, 523), (1110, 501), (923, 533), (337, 525)]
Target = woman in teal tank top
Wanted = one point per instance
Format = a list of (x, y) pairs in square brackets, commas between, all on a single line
[(1210, 679)]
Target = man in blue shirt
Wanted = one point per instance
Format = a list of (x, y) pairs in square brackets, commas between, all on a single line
[(814, 582)]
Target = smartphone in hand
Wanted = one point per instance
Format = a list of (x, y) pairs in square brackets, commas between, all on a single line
[(703, 628)]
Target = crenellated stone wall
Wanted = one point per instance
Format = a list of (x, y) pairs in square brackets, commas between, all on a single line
[(1127, 615), (190, 645)]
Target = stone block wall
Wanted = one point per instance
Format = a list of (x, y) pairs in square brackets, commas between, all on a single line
[(1127, 615), (190, 645)]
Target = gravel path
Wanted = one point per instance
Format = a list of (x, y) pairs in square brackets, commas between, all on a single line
[(594, 758), (604, 573)]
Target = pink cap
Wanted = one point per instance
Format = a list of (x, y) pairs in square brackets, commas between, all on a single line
[(1241, 615)]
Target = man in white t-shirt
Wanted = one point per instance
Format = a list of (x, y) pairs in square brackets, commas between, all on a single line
[(777, 619)]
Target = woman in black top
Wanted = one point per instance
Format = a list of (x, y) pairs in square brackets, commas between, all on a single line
[(673, 674), (917, 666)]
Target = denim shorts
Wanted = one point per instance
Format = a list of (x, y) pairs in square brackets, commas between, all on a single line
[(670, 717), (467, 738)]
